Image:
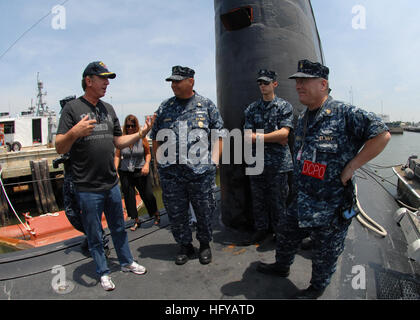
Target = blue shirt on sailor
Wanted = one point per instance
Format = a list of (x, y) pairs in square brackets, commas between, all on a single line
[(272, 116), (333, 137), (190, 126)]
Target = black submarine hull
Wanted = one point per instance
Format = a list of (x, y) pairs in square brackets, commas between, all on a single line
[(252, 35)]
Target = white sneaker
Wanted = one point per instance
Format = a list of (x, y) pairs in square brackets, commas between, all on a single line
[(135, 268), (107, 283)]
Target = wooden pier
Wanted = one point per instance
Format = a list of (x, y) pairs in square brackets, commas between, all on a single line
[(31, 182), (17, 164)]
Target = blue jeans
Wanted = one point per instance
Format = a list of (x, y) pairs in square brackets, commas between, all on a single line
[(92, 204)]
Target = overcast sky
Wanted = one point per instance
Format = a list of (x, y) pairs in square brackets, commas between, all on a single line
[(376, 59)]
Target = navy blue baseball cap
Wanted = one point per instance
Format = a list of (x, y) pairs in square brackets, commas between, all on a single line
[(98, 68), (308, 69), (266, 75), (181, 73)]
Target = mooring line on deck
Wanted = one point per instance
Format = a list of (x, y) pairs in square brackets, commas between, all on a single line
[(374, 226)]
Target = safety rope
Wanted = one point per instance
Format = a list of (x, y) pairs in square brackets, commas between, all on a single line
[(25, 225)]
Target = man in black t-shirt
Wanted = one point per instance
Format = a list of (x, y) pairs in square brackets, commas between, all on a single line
[(89, 129)]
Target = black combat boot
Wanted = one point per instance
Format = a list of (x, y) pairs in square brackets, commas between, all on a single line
[(204, 253), (185, 253), (274, 269)]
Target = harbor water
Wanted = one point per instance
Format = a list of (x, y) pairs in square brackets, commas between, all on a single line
[(400, 147)]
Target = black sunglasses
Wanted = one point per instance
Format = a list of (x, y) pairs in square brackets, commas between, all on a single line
[(266, 83), (130, 126)]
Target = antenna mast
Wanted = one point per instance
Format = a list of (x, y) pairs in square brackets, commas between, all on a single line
[(41, 106)]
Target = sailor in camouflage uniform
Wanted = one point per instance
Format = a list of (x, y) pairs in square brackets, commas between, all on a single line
[(270, 189), (186, 162), (328, 137)]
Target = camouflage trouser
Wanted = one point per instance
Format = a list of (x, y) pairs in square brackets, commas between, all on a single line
[(328, 244), (269, 194), (178, 190)]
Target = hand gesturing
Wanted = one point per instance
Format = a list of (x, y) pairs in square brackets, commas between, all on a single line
[(148, 125), (84, 127)]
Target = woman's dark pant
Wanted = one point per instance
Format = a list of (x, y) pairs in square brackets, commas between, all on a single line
[(143, 184)]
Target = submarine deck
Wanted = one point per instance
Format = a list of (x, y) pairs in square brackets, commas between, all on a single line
[(371, 266)]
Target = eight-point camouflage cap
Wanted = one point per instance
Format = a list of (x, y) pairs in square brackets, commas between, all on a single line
[(266, 75), (181, 73), (98, 68), (308, 69)]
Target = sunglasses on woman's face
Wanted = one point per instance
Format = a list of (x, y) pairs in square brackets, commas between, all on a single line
[(128, 126)]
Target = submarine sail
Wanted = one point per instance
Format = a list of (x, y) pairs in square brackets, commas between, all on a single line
[(253, 35)]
